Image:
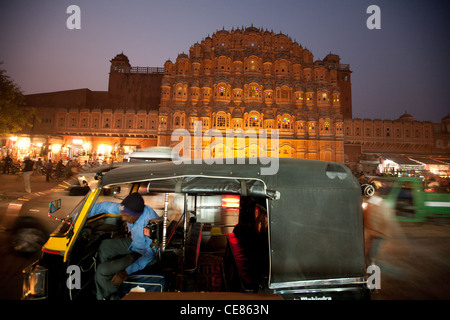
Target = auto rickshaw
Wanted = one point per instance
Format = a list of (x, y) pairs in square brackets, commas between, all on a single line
[(296, 234), (413, 200)]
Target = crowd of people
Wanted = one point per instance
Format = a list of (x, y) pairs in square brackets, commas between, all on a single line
[(41, 167), (51, 169)]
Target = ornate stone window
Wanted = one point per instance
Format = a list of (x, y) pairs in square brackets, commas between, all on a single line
[(178, 120), (221, 121), (254, 120), (284, 122), (253, 91)]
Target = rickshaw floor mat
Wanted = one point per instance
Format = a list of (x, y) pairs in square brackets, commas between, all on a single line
[(141, 281)]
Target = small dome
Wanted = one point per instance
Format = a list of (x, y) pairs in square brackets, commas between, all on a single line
[(406, 117), (446, 118), (120, 60), (182, 56), (251, 29), (120, 57)]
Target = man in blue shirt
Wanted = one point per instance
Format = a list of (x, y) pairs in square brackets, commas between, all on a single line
[(121, 257)]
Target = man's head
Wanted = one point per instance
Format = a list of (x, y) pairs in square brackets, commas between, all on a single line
[(132, 207)]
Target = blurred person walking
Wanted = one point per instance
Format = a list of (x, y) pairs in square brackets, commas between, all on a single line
[(39, 166), (48, 170), (27, 167), (378, 217), (7, 164)]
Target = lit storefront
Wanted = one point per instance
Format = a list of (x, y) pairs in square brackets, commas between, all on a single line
[(434, 166), (94, 149), (19, 147), (401, 166), (413, 166)]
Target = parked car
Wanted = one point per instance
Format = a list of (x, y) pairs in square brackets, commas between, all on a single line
[(152, 154), (223, 228)]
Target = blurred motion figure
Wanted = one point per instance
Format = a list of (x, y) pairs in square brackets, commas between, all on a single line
[(377, 225)]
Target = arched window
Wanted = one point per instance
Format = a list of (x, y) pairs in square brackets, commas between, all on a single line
[(254, 120), (253, 91), (221, 121), (252, 65), (284, 122)]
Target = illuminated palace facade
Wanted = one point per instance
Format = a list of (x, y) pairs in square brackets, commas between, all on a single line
[(233, 81), (250, 79)]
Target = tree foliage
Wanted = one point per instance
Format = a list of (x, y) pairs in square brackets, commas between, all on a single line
[(14, 113)]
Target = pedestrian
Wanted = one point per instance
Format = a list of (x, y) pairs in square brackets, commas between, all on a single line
[(39, 166), (59, 169), (68, 169), (378, 224), (75, 168), (86, 165), (27, 167), (8, 161), (48, 170), (120, 257)]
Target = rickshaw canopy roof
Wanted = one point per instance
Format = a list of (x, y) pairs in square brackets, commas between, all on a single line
[(239, 178)]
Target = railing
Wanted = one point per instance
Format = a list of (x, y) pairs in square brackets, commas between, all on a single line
[(142, 70), (339, 66)]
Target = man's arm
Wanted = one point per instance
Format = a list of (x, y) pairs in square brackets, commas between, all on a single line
[(104, 207)]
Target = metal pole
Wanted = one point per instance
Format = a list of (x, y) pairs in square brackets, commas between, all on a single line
[(166, 205), (185, 226)]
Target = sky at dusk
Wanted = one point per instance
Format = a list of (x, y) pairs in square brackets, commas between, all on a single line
[(404, 66)]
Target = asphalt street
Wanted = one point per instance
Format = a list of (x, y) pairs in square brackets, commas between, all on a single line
[(12, 197), (414, 263)]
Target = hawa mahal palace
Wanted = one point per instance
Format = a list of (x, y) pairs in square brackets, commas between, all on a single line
[(243, 79)]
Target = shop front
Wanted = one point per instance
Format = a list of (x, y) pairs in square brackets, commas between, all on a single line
[(97, 150), (434, 166), (401, 166), (20, 146), (84, 149)]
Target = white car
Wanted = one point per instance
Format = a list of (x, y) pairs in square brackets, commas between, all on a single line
[(152, 154)]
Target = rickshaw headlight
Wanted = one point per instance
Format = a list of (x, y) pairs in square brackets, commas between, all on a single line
[(34, 282)]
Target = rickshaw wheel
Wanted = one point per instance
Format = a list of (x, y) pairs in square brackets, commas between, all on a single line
[(28, 240)]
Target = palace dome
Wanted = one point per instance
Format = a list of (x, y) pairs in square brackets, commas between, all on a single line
[(406, 117)]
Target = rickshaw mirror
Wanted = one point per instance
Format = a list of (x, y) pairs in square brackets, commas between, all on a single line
[(116, 191), (54, 206)]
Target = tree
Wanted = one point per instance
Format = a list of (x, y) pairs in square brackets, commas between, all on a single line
[(14, 113)]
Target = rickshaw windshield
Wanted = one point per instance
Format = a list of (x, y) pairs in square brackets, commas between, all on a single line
[(71, 218)]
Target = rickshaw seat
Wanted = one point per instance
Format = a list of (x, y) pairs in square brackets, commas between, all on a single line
[(244, 265), (193, 246)]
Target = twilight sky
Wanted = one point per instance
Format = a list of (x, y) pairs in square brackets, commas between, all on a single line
[(404, 66)]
